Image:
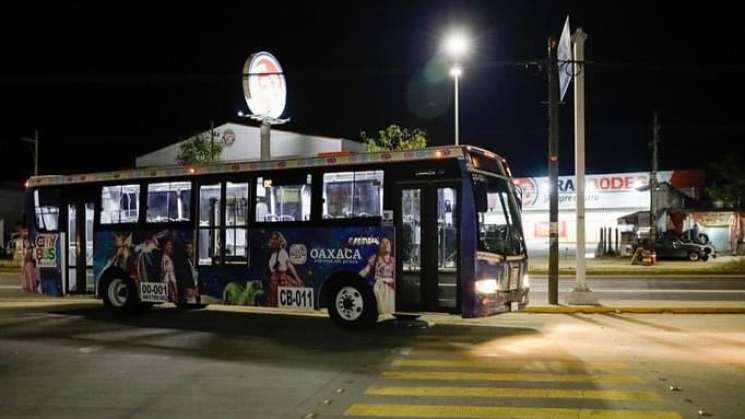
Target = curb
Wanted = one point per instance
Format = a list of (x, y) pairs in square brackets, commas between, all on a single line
[(600, 309), (60, 300), (642, 274)]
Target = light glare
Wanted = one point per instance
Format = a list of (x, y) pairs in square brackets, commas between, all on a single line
[(456, 44), (456, 71), (486, 286)]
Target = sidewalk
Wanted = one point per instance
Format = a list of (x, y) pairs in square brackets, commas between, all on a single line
[(724, 265), (643, 307)]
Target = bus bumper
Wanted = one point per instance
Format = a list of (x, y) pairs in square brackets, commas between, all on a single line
[(500, 302)]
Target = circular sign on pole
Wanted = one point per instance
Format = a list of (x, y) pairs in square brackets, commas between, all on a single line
[(264, 85)]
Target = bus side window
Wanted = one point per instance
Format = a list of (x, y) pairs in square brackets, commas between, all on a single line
[(353, 194), (47, 216), (282, 201), (120, 204), (168, 202)]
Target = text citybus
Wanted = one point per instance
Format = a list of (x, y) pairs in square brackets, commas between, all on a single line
[(404, 232)]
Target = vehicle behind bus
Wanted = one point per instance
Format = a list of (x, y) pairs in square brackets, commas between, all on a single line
[(361, 235)]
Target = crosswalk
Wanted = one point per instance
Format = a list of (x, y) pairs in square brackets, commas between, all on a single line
[(429, 380)]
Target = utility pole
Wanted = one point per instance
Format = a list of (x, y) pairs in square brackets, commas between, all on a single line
[(35, 142), (553, 172), (653, 180)]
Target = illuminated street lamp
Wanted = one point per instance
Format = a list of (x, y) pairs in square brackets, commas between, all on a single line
[(456, 45)]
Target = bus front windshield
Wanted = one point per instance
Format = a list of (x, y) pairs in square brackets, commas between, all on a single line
[(500, 230)]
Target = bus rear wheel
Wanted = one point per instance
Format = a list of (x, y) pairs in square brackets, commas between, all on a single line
[(352, 305), (120, 295)]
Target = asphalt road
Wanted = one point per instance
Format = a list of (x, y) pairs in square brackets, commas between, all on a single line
[(681, 288), (79, 361)]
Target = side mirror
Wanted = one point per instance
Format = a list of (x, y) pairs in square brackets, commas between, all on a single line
[(519, 196)]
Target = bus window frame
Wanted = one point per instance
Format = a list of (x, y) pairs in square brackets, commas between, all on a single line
[(142, 200), (293, 173), (52, 194), (176, 224), (317, 198)]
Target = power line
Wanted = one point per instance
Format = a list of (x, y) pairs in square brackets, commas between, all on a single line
[(46, 79)]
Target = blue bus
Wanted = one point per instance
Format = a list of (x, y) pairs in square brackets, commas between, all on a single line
[(359, 234)]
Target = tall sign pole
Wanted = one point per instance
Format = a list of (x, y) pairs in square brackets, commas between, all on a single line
[(581, 293), (266, 132), (553, 172)]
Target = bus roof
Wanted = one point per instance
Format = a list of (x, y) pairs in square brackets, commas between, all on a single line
[(343, 159)]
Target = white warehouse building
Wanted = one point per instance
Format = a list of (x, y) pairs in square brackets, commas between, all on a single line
[(243, 143)]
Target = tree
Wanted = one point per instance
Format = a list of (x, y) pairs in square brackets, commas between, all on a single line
[(395, 138), (200, 149), (728, 182)]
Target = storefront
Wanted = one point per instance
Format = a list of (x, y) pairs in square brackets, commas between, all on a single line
[(608, 197)]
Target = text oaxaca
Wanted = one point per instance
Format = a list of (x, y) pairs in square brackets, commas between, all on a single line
[(342, 254)]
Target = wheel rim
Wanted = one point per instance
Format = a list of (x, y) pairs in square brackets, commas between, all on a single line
[(118, 293), (693, 256), (349, 303)]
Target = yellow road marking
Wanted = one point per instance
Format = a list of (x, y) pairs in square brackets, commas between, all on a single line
[(503, 363), (513, 392), (490, 376), (450, 411)]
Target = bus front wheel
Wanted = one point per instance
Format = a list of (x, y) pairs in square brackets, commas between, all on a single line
[(352, 305), (120, 295)]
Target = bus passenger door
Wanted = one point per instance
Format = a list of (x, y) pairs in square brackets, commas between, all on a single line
[(79, 246), (427, 243)]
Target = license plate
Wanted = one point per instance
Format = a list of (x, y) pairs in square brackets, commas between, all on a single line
[(295, 298), (153, 292)]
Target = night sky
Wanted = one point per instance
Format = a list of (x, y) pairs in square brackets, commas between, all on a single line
[(105, 83)]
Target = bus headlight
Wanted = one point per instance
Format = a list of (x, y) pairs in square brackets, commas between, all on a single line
[(486, 286), (526, 281)]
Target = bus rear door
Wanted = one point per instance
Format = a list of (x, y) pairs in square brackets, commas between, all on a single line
[(79, 248)]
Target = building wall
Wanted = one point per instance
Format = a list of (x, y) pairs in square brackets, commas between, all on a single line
[(243, 142)]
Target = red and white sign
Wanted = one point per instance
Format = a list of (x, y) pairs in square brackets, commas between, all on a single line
[(264, 85), (609, 191)]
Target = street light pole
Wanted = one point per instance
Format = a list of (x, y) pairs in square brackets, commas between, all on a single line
[(456, 45), (456, 75)]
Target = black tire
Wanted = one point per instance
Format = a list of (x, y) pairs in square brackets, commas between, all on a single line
[(352, 305), (120, 295), (694, 256), (406, 317), (704, 258)]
